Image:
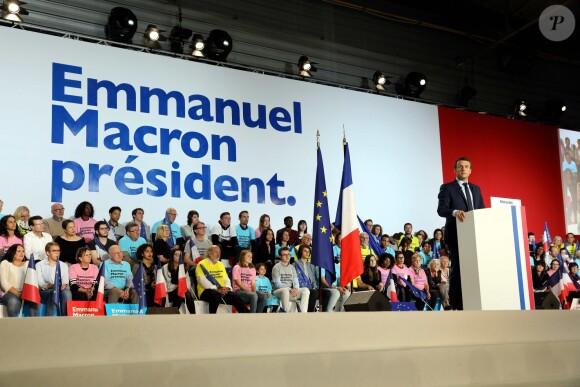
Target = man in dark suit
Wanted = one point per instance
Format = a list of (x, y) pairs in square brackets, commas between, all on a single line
[(455, 200)]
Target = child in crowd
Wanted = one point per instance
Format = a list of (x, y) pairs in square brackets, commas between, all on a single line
[(263, 285)]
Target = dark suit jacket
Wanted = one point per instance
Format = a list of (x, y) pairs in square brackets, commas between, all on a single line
[(451, 198)]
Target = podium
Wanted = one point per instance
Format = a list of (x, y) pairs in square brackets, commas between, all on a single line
[(495, 267)]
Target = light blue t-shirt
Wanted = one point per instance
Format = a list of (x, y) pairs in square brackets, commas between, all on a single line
[(245, 236), (131, 246), (117, 275), (263, 285)]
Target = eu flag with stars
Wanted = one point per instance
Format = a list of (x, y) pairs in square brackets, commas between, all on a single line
[(139, 284), (322, 255)]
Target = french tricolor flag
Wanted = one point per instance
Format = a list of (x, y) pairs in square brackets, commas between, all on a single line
[(351, 265), (547, 239), (181, 280), (30, 291), (391, 289), (160, 286)]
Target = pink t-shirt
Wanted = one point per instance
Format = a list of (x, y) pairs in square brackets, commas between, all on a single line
[(85, 229), (401, 272), (418, 279), (384, 274), (6, 242), (245, 275), (83, 278)]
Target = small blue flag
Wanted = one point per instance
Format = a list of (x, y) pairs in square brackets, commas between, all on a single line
[(57, 285), (139, 284)]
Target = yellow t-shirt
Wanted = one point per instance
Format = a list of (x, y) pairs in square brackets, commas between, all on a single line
[(217, 270)]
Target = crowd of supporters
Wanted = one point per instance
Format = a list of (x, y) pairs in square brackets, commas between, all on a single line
[(254, 269)]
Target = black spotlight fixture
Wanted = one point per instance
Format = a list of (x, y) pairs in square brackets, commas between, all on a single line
[(218, 45), (519, 108), (121, 25), (554, 110), (197, 45), (305, 67), (153, 36), (466, 96), (412, 85), (12, 10), (178, 36), (380, 80)]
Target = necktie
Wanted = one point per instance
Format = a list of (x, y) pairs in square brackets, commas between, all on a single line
[(468, 196)]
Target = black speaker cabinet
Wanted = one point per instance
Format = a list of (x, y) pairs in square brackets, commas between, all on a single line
[(159, 310), (368, 301), (546, 300)]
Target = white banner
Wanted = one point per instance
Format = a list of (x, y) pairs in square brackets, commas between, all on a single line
[(82, 121)]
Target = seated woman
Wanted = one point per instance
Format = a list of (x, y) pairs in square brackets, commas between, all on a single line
[(419, 280), (384, 266), (84, 221), (407, 250), (264, 224), (376, 232), (370, 279), (539, 255), (302, 229), (187, 230), (9, 234), (83, 276), (69, 242), (144, 254), (434, 279), (244, 283), (540, 277), (265, 250), (22, 214), (12, 274), (573, 267), (161, 246), (444, 284), (401, 271), (171, 274), (284, 238)]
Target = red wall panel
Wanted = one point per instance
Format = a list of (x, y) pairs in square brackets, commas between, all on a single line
[(510, 159)]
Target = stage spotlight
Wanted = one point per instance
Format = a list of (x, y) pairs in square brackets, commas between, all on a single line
[(121, 25), (197, 45), (178, 36), (218, 45), (466, 96), (554, 110), (153, 36), (412, 85), (380, 80), (305, 67), (12, 9), (519, 108)]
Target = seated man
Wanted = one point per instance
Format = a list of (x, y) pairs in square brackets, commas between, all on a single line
[(35, 241), (196, 246), (116, 229), (119, 279), (45, 271), (213, 283), (101, 244), (131, 242), (308, 277), (285, 283), (53, 225), (385, 244), (224, 236)]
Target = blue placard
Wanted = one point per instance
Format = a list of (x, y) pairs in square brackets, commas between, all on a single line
[(124, 309)]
